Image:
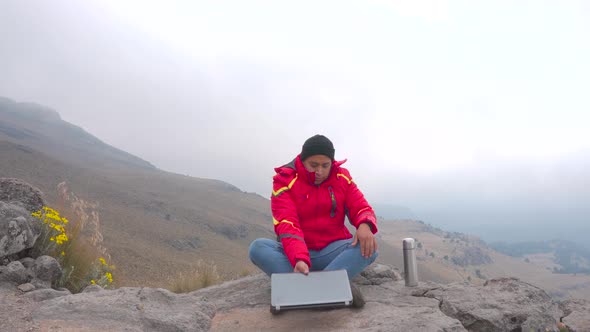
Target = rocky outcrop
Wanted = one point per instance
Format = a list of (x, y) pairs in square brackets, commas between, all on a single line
[(378, 274), (243, 305), (18, 230), (505, 304), (14, 272), (46, 270), (576, 315), (125, 309), (18, 191), (40, 273)]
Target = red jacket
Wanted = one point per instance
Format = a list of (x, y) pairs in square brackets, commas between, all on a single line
[(306, 215)]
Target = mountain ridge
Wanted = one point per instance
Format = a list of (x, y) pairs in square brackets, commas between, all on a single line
[(38, 126)]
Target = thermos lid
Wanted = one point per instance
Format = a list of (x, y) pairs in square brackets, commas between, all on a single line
[(409, 243)]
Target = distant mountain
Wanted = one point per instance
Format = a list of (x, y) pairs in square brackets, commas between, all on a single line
[(392, 212), (152, 221), (571, 257), (42, 128), (444, 257)]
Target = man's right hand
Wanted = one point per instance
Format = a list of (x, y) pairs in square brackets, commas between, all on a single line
[(301, 267)]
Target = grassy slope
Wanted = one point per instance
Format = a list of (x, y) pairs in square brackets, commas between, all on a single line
[(143, 210)]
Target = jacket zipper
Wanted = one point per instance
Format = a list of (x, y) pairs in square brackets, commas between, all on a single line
[(333, 212)]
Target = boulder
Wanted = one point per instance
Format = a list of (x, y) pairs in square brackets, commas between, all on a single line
[(125, 309), (504, 304), (18, 229), (576, 315), (15, 273), (377, 274), (26, 287), (41, 284), (16, 190), (28, 262), (46, 268), (243, 305)]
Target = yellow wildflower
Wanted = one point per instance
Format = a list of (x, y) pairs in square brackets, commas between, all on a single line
[(61, 238), (109, 276), (93, 282), (63, 253), (102, 260), (52, 239), (49, 210)]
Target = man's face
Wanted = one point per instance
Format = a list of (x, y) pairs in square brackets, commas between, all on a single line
[(320, 165)]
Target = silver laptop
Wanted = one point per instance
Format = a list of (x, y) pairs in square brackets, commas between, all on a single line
[(316, 290)]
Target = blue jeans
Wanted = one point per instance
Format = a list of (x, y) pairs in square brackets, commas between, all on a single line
[(270, 257)]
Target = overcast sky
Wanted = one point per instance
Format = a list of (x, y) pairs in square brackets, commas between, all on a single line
[(468, 113)]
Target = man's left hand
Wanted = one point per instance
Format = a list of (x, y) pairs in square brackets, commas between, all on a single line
[(367, 240)]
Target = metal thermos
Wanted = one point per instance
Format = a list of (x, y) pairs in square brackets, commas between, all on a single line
[(410, 266)]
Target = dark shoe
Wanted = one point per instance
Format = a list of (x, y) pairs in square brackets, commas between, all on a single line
[(358, 300)]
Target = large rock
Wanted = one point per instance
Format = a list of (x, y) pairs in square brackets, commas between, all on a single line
[(16, 190), (377, 274), (504, 304), (28, 262), (243, 305), (576, 315), (15, 273), (47, 268), (18, 229), (125, 309)]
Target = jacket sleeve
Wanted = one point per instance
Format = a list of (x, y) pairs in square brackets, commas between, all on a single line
[(359, 209), (286, 220)]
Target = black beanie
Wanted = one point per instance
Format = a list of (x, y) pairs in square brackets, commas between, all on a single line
[(318, 144)]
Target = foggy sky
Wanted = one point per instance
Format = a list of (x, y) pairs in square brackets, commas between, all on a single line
[(472, 115)]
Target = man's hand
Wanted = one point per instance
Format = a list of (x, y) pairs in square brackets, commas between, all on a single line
[(367, 240), (301, 267)]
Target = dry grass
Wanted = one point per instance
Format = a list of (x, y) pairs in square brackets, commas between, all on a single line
[(77, 264), (79, 255), (199, 276), (244, 273)]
